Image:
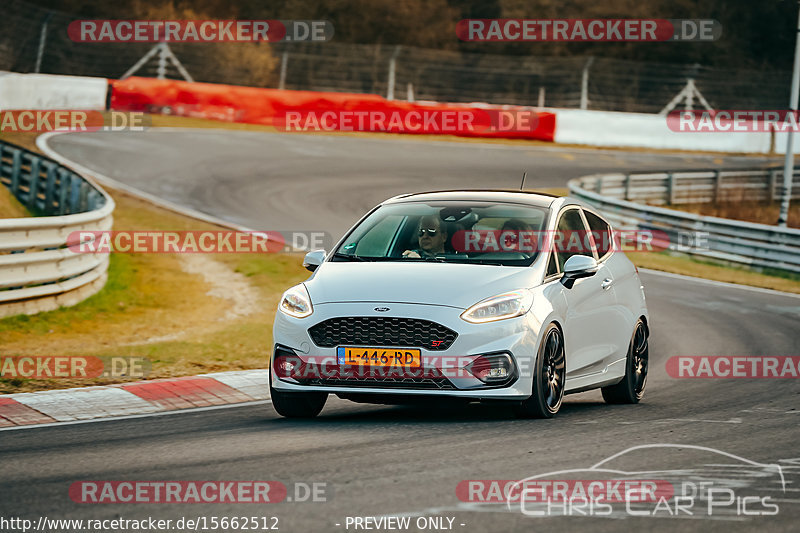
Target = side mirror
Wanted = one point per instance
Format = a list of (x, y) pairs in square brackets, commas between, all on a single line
[(577, 267), (314, 259)]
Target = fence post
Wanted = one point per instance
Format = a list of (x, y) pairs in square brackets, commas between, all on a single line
[(541, 97), (585, 83), (162, 61), (42, 41), (284, 62), (392, 69), (670, 188), (717, 185)]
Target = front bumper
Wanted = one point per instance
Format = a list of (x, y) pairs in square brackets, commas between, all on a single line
[(516, 337)]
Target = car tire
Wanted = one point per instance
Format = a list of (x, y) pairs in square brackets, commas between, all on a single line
[(631, 388), (297, 404), (548, 379)]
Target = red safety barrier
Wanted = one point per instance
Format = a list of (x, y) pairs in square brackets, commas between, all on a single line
[(328, 111)]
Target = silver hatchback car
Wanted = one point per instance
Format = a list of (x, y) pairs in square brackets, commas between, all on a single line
[(476, 295)]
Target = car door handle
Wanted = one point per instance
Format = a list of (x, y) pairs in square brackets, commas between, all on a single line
[(606, 284)]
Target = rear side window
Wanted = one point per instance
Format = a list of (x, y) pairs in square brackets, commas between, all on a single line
[(601, 232)]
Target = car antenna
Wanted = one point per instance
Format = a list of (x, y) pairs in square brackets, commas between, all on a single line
[(522, 185)]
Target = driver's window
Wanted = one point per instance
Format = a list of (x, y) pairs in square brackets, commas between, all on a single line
[(570, 237)]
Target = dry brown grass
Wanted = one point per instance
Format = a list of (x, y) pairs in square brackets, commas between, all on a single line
[(10, 206), (759, 212)]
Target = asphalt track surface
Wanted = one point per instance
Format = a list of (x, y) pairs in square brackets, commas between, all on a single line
[(384, 460)]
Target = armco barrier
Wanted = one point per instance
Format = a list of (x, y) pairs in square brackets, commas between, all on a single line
[(644, 130), (697, 186), (270, 106), (733, 241), (37, 272)]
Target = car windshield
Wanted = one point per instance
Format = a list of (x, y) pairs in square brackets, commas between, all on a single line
[(447, 231)]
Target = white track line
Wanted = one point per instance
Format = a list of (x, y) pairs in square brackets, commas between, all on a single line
[(143, 415)]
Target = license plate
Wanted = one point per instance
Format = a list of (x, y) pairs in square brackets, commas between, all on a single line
[(398, 357)]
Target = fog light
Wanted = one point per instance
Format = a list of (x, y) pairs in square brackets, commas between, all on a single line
[(497, 373), (493, 369), (286, 364)]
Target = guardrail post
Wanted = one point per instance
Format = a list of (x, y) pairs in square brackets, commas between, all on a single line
[(670, 188), (16, 167), (33, 183), (75, 196), (598, 184), (773, 181), (84, 194), (49, 190), (627, 186), (63, 191), (717, 185)]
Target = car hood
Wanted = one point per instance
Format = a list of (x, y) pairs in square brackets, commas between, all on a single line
[(454, 285)]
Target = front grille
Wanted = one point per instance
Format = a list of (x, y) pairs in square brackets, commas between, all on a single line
[(382, 331)]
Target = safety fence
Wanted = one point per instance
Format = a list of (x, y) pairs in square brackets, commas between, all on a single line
[(744, 243), (37, 270), (35, 39)]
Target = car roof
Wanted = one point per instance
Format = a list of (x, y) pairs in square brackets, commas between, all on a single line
[(480, 195)]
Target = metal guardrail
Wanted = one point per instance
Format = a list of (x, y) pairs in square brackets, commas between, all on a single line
[(745, 243), (37, 271), (695, 186)]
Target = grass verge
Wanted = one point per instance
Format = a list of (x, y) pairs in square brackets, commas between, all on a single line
[(151, 307)]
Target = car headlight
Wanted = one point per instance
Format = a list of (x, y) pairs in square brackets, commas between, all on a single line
[(296, 302), (502, 306)]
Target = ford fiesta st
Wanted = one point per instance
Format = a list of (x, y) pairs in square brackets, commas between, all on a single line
[(477, 295)]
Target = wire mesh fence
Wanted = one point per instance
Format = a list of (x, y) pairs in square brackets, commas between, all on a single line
[(33, 39)]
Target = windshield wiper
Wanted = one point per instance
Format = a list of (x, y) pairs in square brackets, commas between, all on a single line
[(349, 257)]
